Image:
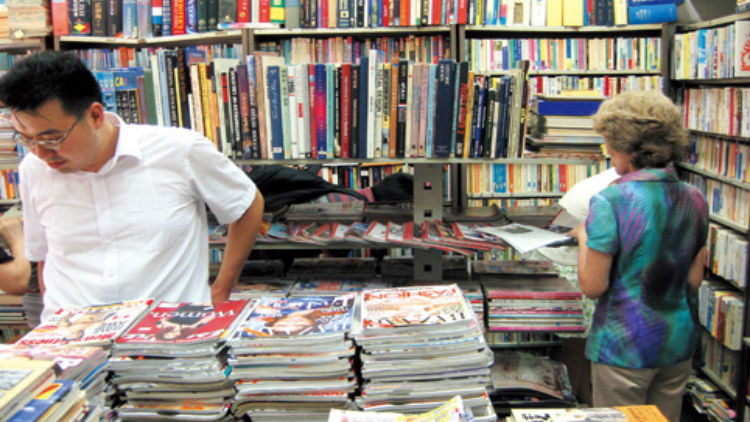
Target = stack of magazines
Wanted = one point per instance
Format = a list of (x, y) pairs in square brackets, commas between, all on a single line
[(292, 358), (174, 361), (550, 304), (421, 346)]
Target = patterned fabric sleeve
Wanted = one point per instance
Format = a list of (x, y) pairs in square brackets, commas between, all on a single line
[(601, 226)]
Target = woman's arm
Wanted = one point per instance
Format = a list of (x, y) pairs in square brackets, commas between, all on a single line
[(593, 266), (695, 276)]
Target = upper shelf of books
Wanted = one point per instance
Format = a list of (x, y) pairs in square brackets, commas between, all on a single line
[(724, 20), (369, 32), (564, 29)]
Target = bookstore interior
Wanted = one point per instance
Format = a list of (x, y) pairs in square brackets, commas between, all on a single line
[(423, 165)]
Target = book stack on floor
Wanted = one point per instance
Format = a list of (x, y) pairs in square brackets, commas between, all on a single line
[(569, 125), (529, 296), (174, 361), (292, 358), (421, 346)]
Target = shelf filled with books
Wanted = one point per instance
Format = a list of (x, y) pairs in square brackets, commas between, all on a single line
[(708, 73)]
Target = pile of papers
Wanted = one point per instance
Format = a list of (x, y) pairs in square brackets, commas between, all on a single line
[(292, 358), (452, 411), (421, 346), (174, 361)]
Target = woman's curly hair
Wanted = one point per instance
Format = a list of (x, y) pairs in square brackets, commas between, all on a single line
[(645, 124)]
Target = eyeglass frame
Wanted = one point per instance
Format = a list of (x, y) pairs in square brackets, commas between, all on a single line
[(53, 144)]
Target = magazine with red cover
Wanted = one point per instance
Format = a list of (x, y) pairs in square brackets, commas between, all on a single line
[(530, 288), (96, 325), (185, 323), (417, 307)]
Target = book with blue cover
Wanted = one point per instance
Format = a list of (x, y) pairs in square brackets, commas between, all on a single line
[(568, 106), (279, 318), (652, 13)]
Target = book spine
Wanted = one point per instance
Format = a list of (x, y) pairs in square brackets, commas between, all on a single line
[(79, 17), (143, 20), (330, 110), (156, 17), (213, 15), (285, 122), (354, 136), (293, 115), (243, 92), (236, 114), (254, 117), (403, 76), (274, 105), (444, 107), (197, 16), (182, 78), (463, 91), (346, 104), (301, 89), (242, 11), (169, 65), (98, 18), (179, 17), (166, 18), (321, 110), (60, 18), (129, 18), (362, 113)]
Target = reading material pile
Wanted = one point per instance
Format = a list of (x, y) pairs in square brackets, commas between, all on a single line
[(22, 380), (451, 411), (529, 296), (420, 347), (292, 358), (80, 376), (174, 361)]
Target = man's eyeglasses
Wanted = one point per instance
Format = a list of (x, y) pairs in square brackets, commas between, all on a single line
[(43, 141)]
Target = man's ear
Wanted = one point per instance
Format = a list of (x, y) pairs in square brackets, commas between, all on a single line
[(96, 112)]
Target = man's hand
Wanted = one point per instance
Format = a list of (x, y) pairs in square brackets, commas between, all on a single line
[(219, 293)]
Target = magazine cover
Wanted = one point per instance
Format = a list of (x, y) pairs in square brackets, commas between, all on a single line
[(42, 401), (414, 306), (525, 373), (18, 378), (184, 323), (333, 287), (297, 316), (96, 325)]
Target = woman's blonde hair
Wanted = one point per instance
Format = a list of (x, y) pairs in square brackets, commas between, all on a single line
[(645, 124)]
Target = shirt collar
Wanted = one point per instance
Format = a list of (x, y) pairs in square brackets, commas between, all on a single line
[(127, 147), (664, 174)]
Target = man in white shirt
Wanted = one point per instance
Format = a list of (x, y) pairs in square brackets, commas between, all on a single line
[(117, 211)]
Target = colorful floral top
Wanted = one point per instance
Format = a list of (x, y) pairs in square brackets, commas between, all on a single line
[(653, 225)]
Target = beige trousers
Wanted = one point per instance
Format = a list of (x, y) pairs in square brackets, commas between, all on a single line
[(663, 387)]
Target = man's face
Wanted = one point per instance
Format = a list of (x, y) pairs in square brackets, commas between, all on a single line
[(77, 152)]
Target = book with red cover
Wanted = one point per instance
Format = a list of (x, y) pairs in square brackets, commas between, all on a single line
[(346, 108), (60, 21), (185, 323), (179, 18)]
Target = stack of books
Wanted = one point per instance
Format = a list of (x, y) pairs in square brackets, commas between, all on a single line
[(22, 380), (520, 379), (292, 358), (550, 304), (453, 410), (82, 366), (421, 346), (569, 125), (174, 361)]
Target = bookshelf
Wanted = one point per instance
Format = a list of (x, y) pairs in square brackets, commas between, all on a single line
[(716, 163)]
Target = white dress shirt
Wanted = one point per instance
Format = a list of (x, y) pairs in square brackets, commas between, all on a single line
[(136, 228)]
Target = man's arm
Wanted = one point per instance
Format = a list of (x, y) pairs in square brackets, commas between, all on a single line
[(593, 266), (695, 276), (240, 241), (14, 274)]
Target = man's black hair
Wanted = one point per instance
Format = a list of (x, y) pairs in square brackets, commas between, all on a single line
[(48, 75)]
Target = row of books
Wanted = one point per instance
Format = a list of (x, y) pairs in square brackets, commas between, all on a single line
[(125, 57), (606, 86), (489, 179), (708, 399), (720, 361), (712, 53), (340, 49), (728, 202), (9, 183), (512, 203), (720, 311), (727, 254), (723, 157), (727, 105), (566, 54), (267, 109)]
